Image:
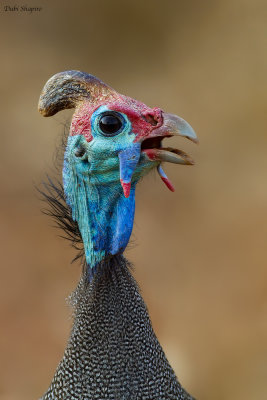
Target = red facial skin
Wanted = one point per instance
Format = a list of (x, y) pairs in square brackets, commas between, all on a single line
[(152, 154), (143, 119)]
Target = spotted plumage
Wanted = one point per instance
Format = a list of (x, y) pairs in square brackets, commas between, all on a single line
[(113, 352)]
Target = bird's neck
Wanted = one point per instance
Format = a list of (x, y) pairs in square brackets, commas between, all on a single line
[(113, 352), (104, 215)]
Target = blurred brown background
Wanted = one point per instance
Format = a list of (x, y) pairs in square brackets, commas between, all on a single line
[(200, 254)]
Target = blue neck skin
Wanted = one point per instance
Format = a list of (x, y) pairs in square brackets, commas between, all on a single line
[(94, 193)]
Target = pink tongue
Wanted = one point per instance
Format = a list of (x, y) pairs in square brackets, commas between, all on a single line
[(165, 179)]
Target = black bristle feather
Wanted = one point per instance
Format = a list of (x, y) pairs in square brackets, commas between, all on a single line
[(52, 193), (60, 212)]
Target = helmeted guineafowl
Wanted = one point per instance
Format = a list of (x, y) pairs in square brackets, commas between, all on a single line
[(112, 353)]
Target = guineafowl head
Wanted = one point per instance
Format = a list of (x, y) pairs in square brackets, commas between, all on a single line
[(114, 140)]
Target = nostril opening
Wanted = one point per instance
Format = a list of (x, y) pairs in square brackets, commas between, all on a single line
[(151, 119)]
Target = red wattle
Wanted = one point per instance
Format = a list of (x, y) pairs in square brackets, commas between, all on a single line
[(126, 188), (168, 184)]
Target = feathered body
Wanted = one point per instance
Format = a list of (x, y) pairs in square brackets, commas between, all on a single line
[(112, 352)]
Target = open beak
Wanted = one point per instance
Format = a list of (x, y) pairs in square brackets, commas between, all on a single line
[(172, 126), (152, 149)]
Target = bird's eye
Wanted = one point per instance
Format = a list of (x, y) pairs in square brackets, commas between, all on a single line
[(80, 151), (110, 124)]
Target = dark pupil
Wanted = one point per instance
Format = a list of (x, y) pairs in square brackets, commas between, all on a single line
[(110, 124)]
